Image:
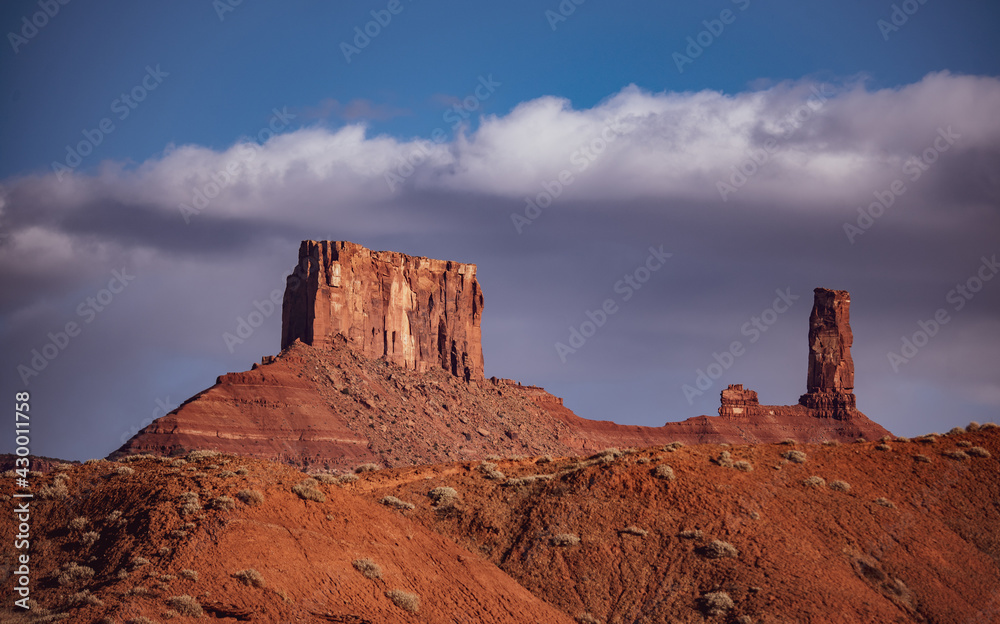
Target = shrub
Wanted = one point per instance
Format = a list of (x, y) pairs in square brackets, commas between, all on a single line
[(308, 489), (249, 577), (242, 471), (79, 523), (177, 533), (883, 447), (189, 575), (586, 618), (743, 466), (166, 578), (369, 467), (392, 501), (972, 426), (250, 497), (444, 496), (190, 504), (57, 491), (85, 598), (977, 451), (673, 446), (138, 562), (225, 474), (185, 605), (840, 486), (124, 470), (544, 459), (163, 552), (690, 534), (137, 457), (989, 425), (368, 568), (138, 590), (114, 516), (74, 573), (140, 620), (797, 457), (664, 471), (347, 478), (922, 458), (326, 479), (885, 502), (814, 481), (223, 503), (955, 454), (725, 460), (831, 443), (716, 603), (956, 431), (201, 454), (634, 530), (565, 539), (963, 443), (177, 463), (404, 600), (89, 538), (717, 549), (927, 439), (642, 460), (788, 442)]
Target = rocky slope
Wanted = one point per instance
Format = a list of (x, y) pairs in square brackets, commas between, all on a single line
[(229, 538), (904, 531)]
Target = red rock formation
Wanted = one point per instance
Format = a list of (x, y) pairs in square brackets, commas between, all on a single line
[(830, 383), (416, 312)]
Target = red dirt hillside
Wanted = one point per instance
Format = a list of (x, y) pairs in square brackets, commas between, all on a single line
[(227, 536), (899, 531)]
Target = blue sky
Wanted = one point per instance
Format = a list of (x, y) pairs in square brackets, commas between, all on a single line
[(354, 155), (226, 75)]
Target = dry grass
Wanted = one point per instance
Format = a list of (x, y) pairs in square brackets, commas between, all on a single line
[(392, 501), (977, 451), (85, 598), (308, 489), (368, 568), (89, 538), (201, 454), (250, 497), (249, 577), (138, 562), (922, 458), (189, 575), (444, 496), (963, 443), (664, 471), (743, 465), (565, 539), (186, 606), (74, 573), (79, 523), (883, 447), (189, 504), (717, 549), (347, 478), (814, 481), (369, 467), (404, 600), (796, 457), (634, 530), (223, 503), (690, 534), (885, 502), (124, 470), (586, 618), (840, 486), (716, 603), (956, 454)]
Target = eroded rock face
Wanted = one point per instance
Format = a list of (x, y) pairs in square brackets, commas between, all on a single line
[(830, 381), (416, 312)]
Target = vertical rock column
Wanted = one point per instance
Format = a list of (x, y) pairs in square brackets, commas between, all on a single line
[(416, 312), (830, 382)]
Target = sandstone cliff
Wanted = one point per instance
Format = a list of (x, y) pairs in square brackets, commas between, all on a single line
[(416, 312)]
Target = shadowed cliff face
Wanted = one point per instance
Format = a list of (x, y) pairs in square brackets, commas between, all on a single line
[(416, 312)]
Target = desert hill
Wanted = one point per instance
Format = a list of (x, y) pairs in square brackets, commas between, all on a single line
[(898, 531), (901, 531), (382, 362), (230, 538)]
